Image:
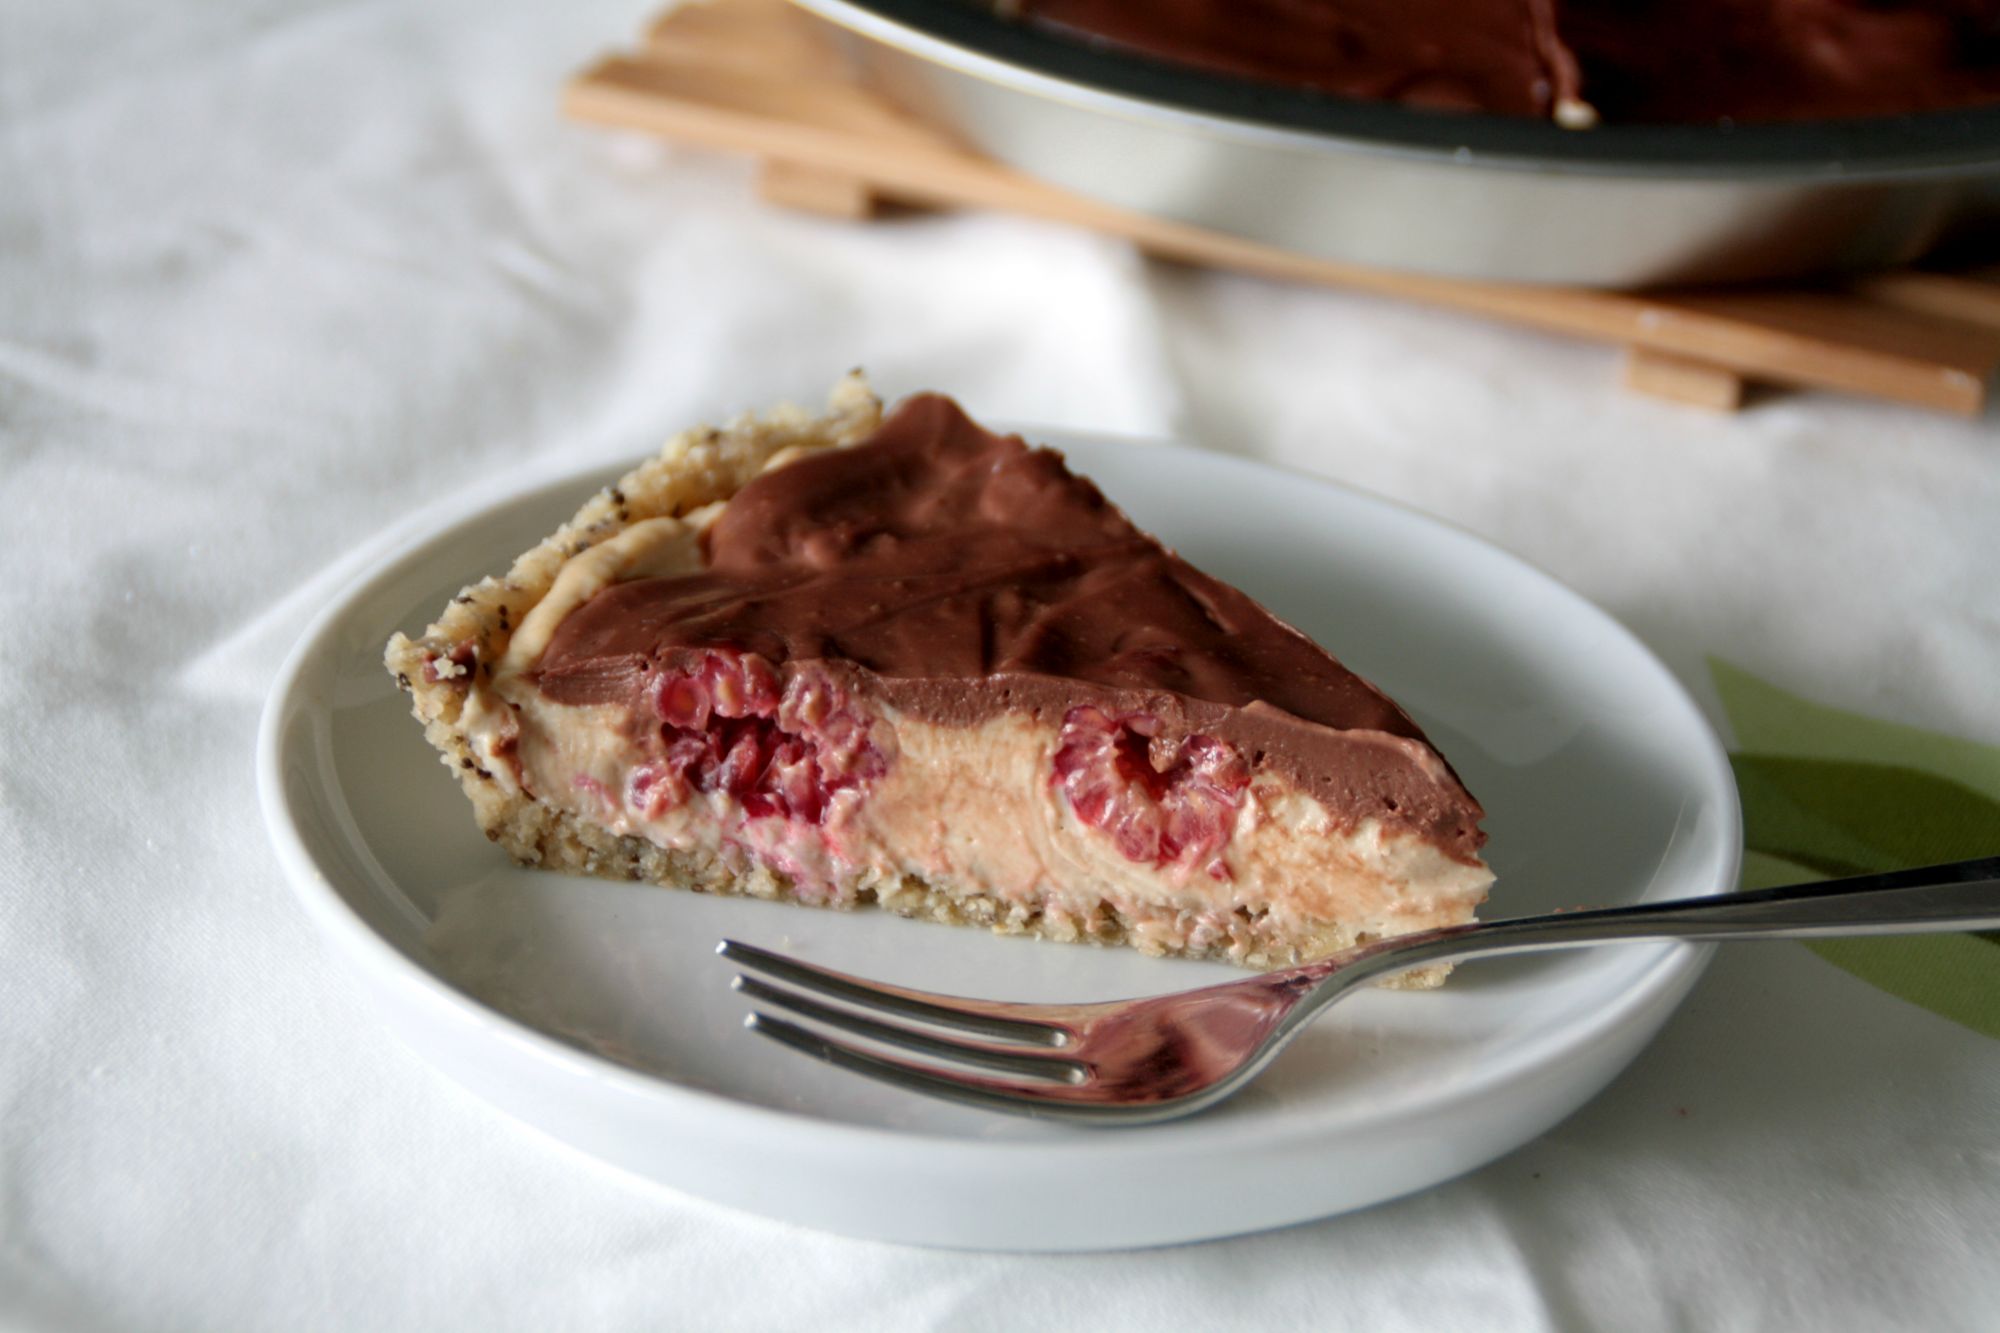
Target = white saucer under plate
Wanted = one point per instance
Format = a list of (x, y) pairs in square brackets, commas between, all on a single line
[(597, 1011)]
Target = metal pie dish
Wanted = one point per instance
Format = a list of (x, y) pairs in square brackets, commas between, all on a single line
[(1390, 186)]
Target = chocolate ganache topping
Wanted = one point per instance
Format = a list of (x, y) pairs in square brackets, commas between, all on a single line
[(958, 575), (1632, 61), (1461, 55)]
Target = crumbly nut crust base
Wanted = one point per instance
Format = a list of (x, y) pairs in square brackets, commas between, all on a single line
[(542, 836)]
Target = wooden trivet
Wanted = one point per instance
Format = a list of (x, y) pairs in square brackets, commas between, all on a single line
[(760, 77)]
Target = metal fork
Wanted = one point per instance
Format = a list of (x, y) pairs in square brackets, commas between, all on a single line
[(1128, 1062)]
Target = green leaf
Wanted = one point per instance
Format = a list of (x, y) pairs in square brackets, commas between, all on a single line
[(1828, 793), (1845, 818), (1761, 870), (1957, 976), (1768, 720)]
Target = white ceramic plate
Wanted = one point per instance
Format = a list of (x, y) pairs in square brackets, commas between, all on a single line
[(597, 1012)]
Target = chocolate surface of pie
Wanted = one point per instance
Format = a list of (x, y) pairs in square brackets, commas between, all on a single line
[(1625, 61)]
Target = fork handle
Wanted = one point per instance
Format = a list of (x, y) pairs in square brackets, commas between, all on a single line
[(1958, 895)]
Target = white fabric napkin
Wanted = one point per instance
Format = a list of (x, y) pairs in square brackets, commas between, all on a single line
[(276, 274)]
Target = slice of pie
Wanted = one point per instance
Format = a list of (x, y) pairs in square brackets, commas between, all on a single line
[(904, 661)]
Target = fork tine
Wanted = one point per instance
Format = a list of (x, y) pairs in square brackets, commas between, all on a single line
[(919, 1005), (968, 1089), (1012, 1062)]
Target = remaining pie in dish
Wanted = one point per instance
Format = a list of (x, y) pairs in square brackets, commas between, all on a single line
[(1719, 62), (904, 661)]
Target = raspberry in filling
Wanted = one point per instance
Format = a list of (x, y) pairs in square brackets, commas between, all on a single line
[(1160, 801), (727, 724)]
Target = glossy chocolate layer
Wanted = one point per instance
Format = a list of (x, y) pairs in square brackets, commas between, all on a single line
[(962, 575), (1466, 55), (1771, 60), (1634, 61)]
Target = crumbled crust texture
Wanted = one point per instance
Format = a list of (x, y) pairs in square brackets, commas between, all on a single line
[(697, 467), (540, 835)]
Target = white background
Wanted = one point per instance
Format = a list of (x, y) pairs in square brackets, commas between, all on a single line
[(275, 273)]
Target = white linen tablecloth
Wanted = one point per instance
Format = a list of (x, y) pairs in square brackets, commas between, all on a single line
[(276, 273)]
